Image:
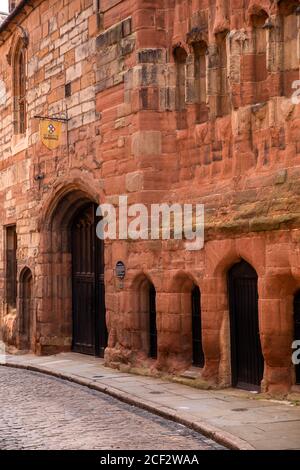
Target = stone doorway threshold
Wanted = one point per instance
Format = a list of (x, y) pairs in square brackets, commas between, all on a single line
[(231, 417)]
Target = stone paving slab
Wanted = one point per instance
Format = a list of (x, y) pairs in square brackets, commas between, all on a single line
[(270, 437), (231, 417)]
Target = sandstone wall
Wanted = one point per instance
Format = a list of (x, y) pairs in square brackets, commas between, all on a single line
[(136, 129)]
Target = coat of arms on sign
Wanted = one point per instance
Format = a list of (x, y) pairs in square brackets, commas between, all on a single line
[(50, 132)]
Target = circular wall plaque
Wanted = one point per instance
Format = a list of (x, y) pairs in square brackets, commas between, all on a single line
[(120, 270)]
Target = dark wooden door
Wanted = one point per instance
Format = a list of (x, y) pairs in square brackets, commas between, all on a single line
[(152, 322), (198, 355), (247, 361), (297, 330), (89, 325)]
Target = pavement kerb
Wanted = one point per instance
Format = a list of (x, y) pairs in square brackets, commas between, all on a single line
[(221, 437)]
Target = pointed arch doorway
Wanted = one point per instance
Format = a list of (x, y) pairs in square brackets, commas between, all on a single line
[(247, 362), (88, 295)]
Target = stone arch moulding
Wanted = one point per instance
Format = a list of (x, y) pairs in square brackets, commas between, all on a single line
[(64, 186), (256, 8), (24, 268), (180, 45), (222, 255), (20, 37), (181, 281), (139, 277)]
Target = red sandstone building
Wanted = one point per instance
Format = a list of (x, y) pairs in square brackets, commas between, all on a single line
[(171, 101)]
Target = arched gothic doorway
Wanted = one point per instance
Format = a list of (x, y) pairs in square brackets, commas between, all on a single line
[(70, 295)]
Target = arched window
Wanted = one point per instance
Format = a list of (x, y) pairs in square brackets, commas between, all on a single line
[(200, 69), (19, 88), (223, 107), (180, 57), (260, 92)]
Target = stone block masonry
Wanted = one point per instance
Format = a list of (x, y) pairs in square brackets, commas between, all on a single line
[(167, 102)]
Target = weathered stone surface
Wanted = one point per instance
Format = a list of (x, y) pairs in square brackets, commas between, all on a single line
[(217, 126)]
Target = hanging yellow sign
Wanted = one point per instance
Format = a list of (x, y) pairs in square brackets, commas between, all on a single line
[(50, 133)]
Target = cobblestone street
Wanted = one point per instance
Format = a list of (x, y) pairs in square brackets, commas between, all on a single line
[(40, 412)]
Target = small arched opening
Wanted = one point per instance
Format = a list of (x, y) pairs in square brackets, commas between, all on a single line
[(26, 317), (183, 324), (144, 320)]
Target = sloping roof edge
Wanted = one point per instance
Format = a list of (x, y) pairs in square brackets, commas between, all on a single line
[(12, 15)]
